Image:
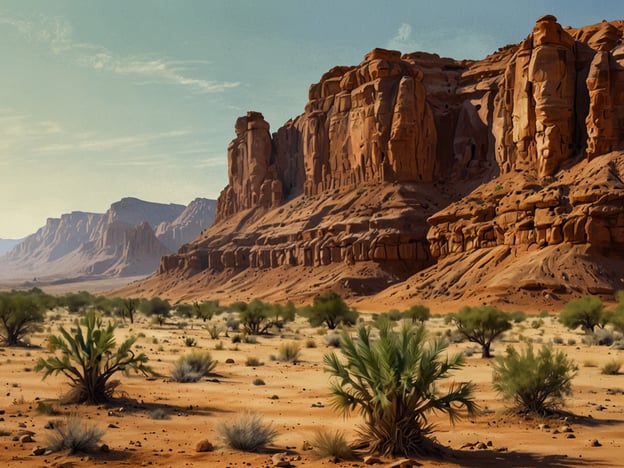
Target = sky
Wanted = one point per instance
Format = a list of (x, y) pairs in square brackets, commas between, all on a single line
[(101, 100)]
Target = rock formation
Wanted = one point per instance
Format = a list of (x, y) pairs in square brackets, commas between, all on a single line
[(403, 164)]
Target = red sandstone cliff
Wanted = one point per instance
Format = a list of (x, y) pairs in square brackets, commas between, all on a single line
[(408, 165)]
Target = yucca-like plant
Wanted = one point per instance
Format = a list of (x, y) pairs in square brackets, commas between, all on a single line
[(88, 358), (391, 383)]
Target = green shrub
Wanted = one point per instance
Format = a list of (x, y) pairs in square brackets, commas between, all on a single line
[(331, 444), (536, 382), (310, 343), (247, 433), (330, 309), (47, 409), (189, 341), (391, 382), (481, 325), (612, 367), (20, 314), (89, 359), (418, 313), (192, 367), (215, 329), (586, 312), (518, 316), (73, 435), (289, 352)]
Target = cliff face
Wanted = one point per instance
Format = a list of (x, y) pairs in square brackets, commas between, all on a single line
[(120, 242), (404, 164)]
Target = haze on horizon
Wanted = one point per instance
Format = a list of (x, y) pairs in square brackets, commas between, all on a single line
[(103, 100)]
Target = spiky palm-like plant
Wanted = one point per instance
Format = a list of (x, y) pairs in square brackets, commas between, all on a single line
[(89, 359), (391, 383)]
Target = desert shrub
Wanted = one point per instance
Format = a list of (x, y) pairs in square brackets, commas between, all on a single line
[(184, 310), (247, 433), (333, 340), (258, 317), (557, 340), (394, 315), (418, 313), (586, 312), (289, 352), (237, 339), (250, 339), (571, 341), (215, 329), (89, 359), (481, 325), (612, 367), (331, 310), (518, 316), (219, 346), (310, 343), (206, 310), (192, 367), (331, 444), (78, 302), (253, 362), (601, 337), (391, 382), (21, 314), (536, 382), (536, 324), (189, 341), (73, 435), (156, 308)]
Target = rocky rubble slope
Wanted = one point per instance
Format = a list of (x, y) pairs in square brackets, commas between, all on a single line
[(418, 177)]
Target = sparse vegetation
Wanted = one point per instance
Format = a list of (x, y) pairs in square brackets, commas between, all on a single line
[(89, 359), (587, 312), (418, 313), (253, 362), (331, 444), (156, 308), (536, 382), (21, 314), (74, 435), (289, 352), (259, 317), (331, 310), (481, 325), (192, 367), (391, 383), (612, 367), (247, 433)]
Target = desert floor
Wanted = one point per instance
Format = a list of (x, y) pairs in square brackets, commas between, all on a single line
[(296, 400)]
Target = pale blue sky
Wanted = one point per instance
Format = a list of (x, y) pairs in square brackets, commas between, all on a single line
[(105, 99)]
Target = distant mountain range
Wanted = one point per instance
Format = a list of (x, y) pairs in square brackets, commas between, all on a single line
[(8, 244), (128, 240)]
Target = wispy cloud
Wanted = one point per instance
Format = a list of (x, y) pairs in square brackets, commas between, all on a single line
[(87, 142), (57, 34), (458, 43)]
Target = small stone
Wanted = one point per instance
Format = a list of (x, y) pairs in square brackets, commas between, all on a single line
[(22, 424), (113, 426), (104, 448), (280, 459), (229, 361), (566, 429), (481, 446), (596, 443), (570, 436), (204, 445), (306, 446), (26, 438)]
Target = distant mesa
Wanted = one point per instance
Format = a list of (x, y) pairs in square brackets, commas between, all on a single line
[(418, 177), (127, 240)]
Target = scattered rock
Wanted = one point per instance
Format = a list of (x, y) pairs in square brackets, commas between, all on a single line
[(204, 445), (26, 438), (306, 446), (280, 459), (596, 443), (104, 448)]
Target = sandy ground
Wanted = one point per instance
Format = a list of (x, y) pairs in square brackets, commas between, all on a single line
[(296, 400)]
